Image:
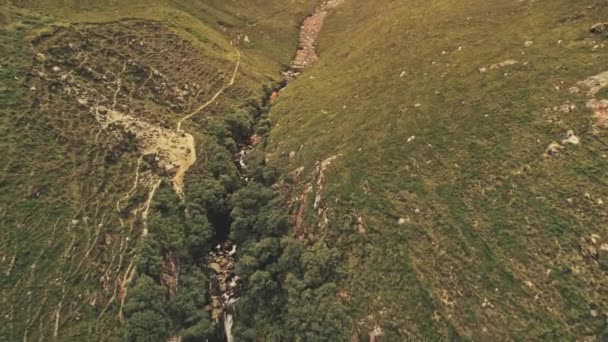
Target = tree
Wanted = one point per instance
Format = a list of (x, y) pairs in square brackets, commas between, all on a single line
[(150, 257), (146, 318), (147, 326), (239, 123)]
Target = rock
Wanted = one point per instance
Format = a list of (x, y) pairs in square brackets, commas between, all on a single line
[(508, 62), (292, 154), (571, 138), (401, 221), (215, 267), (600, 111), (595, 83), (553, 149), (565, 108), (412, 138), (255, 139), (599, 28), (482, 70), (529, 43), (40, 57), (56, 69)]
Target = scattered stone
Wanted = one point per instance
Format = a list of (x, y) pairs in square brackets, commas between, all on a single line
[(565, 108), (482, 70), (600, 112), (56, 69), (553, 149), (529, 43), (40, 57), (591, 246), (402, 74), (599, 28), (401, 221), (508, 62), (292, 154), (595, 83), (361, 224), (412, 138), (571, 138)]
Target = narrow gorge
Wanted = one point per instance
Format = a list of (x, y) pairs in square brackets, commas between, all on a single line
[(223, 259)]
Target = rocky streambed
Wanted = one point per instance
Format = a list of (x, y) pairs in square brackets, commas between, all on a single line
[(222, 260)]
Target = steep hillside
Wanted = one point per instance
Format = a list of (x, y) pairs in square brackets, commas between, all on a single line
[(120, 123), (337, 170), (464, 166)]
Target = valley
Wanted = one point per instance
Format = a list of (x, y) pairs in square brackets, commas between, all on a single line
[(300, 170)]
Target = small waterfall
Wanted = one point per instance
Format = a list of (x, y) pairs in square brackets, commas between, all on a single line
[(228, 321)]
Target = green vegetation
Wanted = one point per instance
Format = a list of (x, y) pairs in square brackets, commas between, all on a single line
[(289, 290), (399, 188), (489, 245), (89, 244)]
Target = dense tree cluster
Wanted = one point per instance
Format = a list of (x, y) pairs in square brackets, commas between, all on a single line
[(289, 286)]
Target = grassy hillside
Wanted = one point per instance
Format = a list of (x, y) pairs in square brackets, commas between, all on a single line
[(455, 222), (77, 184)]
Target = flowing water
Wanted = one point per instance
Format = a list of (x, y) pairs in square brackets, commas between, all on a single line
[(223, 258)]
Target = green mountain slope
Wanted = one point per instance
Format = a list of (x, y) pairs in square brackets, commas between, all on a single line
[(455, 221), (91, 94), (438, 173)]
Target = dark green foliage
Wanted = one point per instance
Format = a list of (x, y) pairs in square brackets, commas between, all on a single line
[(147, 326), (256, 213), (146, 317), (150, 257), (167, 218), (288, 286), (239, 124), (185, 308), (218, 129)]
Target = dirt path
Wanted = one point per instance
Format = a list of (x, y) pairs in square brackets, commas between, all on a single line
[(190, 158), (205, 105)]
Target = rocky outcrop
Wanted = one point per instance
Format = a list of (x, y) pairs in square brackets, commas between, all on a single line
[(169, 276)]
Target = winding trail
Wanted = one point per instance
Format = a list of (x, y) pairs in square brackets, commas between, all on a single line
[(184, 165), (220, 92)]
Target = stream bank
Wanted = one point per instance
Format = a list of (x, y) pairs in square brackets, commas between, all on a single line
[(222, 260)]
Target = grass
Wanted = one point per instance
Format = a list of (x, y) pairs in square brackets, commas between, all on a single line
[(494, 214), (489, 247)]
